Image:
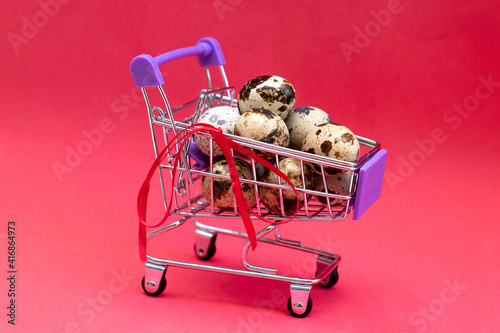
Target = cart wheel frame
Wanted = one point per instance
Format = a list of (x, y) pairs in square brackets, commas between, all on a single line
[(154, 274), (300, 315), (205, 248), (161, 287), (300, 302), (331, 279)]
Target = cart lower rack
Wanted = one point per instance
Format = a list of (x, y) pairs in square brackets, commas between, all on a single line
[(182, 168)]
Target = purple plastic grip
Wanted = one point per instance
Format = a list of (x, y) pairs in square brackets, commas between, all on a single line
[(198, 156), (146, 72), (371, 176)]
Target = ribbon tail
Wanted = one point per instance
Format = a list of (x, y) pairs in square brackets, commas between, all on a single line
[(142, 242), (142, 199), (226, 145), (142, 202), (247, 223), (237, 190)]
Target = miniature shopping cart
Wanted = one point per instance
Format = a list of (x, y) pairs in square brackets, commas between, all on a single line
[(183, 166)]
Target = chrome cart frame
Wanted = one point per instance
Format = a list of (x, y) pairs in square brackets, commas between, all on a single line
[(189, 203)]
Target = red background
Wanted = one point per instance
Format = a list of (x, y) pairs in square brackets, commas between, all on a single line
[(435, 225)]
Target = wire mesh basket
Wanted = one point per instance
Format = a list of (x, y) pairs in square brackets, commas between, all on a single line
[(193, 184)]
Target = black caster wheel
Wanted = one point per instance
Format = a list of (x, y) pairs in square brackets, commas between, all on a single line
[(308, 309), (161, 287), (331, 279), (206, 255)]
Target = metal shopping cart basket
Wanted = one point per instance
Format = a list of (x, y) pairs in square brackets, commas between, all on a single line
[(182, 167)]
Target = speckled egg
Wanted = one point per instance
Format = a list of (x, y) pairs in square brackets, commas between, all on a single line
[(301, 121), (338, 184), (261, 169), (270, 196), (223, 189), (331, 140), (265, 126), (269, 92), (222, 116)]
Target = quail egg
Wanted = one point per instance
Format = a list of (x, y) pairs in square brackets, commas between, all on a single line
[(265, 126), (269, 92), (338, 184), (301, 120), (222, 116), (331, 140), (223, 188), (270, 196)]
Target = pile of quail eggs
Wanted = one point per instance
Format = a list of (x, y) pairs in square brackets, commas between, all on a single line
[(266, 113)]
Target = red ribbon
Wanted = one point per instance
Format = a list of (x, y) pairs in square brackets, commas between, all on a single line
[(226, 144)]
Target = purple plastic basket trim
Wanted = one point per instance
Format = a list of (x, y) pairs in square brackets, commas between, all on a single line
[(146, 72), (198, 156), (371, 176)]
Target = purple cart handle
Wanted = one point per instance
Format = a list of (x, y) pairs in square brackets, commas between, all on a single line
[(146, 72)]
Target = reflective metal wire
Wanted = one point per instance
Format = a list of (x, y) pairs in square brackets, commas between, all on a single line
[(191, 204)]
